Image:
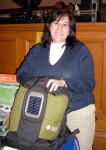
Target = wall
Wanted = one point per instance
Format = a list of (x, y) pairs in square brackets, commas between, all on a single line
[(6, 4)]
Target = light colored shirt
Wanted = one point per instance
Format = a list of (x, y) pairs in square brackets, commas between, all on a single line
[(9, 148), (56, 51)]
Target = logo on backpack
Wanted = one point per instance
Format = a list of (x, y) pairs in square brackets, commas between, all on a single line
[(51, 128)]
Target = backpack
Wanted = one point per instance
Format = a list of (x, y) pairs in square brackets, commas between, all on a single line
[(38, 117)]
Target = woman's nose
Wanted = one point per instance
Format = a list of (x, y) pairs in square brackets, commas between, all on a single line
[(60, 26)]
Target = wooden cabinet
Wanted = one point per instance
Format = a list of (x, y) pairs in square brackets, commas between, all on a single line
[(94, 36), (17, 39), (15, 42)]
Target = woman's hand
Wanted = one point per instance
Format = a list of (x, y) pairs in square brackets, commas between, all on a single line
[(54, 84)]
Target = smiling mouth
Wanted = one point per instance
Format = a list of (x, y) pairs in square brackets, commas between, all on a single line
[(58, 33)]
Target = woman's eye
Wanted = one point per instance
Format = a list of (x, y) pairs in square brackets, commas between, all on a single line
[(62, 24), (65, 24)]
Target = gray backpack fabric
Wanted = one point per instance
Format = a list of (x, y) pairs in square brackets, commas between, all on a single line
[(38, 117)]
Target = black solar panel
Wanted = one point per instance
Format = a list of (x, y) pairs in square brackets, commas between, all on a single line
[(34, 105)]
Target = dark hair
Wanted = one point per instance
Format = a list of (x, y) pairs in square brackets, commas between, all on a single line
[(70, 40)]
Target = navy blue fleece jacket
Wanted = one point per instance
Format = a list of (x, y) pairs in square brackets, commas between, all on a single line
[(75, 67)]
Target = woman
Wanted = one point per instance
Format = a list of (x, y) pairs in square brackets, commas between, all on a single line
[(68, 63)]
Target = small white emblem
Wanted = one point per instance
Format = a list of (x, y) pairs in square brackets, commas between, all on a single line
[(48, 127), (51, 128)]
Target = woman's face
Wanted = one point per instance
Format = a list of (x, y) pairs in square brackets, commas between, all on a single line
[(60, 29)]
